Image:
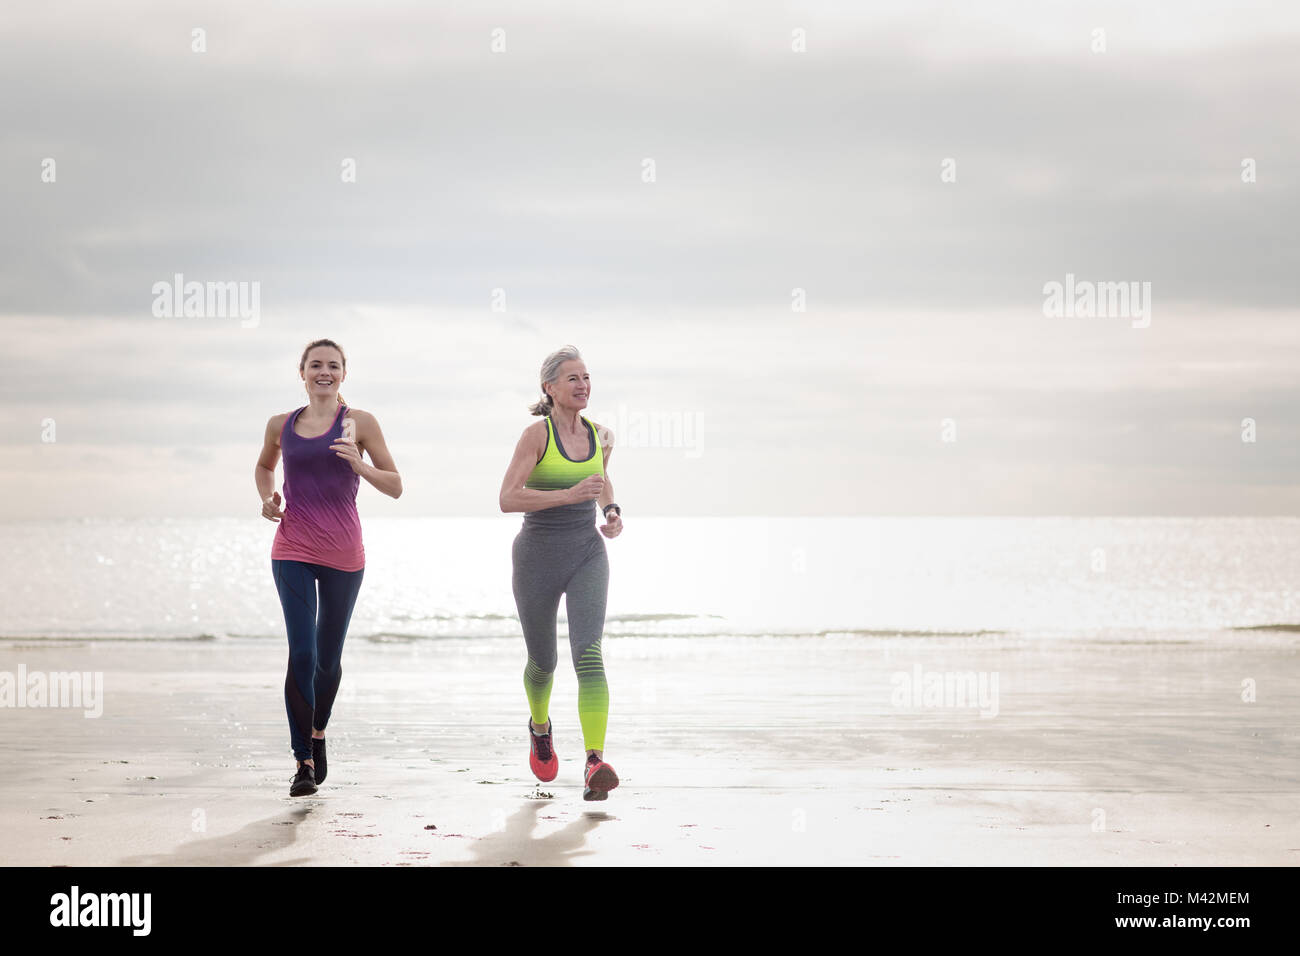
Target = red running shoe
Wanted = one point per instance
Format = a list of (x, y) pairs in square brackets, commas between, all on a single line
[(541, 755), (598, 779)]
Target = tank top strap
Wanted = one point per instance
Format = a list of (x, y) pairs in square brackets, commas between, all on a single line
[(595, 440), (288, 423)]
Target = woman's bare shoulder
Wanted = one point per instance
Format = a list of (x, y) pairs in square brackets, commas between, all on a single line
[(534, 437), (275, 424)]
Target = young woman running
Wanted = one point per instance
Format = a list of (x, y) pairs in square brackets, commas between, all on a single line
[(318, 541), (559, 468)]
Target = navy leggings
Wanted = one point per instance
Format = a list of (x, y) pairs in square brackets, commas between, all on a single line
[(315, 642)]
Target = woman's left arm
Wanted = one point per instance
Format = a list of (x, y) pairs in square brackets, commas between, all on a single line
[(614, 523), (369, 440)]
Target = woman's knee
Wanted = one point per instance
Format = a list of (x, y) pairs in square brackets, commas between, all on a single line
[(328, 669), (541, 666), (303, 659)]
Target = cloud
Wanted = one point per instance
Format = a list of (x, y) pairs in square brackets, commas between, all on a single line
[(519, 176), (522, 170)]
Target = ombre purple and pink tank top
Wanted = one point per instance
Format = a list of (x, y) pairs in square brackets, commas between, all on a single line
[(320, 523)]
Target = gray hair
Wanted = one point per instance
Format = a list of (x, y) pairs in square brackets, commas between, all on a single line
[(550, 372)]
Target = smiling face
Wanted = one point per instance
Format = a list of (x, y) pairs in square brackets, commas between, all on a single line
[(323, 371), (572, 385)]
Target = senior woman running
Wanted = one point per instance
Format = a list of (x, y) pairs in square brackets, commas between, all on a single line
[(559, 469)]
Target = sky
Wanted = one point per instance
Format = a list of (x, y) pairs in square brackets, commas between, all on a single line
[(804, 248)]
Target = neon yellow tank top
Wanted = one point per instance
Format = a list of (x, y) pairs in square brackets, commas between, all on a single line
[(557, 470)]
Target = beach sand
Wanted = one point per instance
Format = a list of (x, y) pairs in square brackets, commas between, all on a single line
[(731, 750)]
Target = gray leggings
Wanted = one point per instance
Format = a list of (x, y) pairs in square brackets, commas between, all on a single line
[(547, 563)]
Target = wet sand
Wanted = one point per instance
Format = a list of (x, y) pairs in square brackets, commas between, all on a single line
[(749, 751)]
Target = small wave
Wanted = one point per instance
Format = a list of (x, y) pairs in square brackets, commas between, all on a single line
[(388, 637), (396, 637), (902, 632), (1289, 628), (17, 639), (632, 618), (413, 618)]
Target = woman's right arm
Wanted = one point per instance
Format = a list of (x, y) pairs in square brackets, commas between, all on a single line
[(529, 451), (264, 471)]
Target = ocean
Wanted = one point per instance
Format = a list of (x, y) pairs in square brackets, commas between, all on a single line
[(1124, 579)]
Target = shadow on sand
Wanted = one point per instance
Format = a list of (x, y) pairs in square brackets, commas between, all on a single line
[(241, 848), (516, 846)]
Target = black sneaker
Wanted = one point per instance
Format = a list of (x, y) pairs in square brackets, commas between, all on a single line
[(318, 758), (304, 782)]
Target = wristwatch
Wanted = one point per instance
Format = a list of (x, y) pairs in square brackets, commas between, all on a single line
[(615, 507)]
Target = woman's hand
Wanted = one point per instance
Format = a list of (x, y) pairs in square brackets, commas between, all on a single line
[(588, 489), (347, 450), (271, 507), (613, 526)]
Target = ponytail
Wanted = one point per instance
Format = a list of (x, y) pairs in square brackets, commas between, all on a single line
[(542, 407)]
